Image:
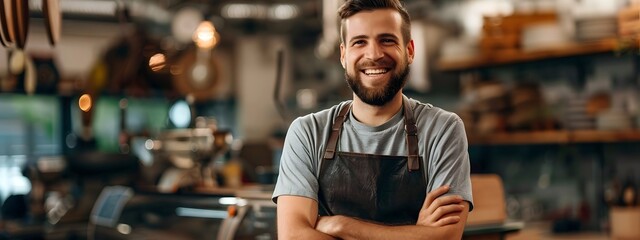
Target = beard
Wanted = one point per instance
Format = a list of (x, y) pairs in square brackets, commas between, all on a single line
[(378, 96)]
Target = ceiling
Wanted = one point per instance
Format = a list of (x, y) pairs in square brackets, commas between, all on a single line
[(302, 19), (161, 12)]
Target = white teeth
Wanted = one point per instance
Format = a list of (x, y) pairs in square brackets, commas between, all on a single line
[(375, 71)]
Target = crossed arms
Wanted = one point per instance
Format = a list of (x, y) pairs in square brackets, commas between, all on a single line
[(441, 217)]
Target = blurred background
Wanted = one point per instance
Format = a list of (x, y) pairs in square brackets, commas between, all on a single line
[(141, 119)]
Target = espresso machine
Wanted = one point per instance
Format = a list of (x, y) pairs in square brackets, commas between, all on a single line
[(191, 153)]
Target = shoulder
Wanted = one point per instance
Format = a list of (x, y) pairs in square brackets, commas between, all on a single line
[(431, 116)]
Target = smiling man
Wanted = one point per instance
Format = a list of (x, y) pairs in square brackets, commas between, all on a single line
[(380, 166)]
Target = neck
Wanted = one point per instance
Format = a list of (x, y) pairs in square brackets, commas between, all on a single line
[(371, 115)]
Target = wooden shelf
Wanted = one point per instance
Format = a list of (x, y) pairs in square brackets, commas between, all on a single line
[(567, 50), (555, 137)]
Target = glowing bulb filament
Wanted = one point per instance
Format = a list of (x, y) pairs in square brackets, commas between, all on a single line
[(84, 102), (205, 35)]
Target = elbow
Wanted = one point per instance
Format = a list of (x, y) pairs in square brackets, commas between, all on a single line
[(455, 236), (451, 232), (445, 236), (451, 236), (289, 235), (297, 233)]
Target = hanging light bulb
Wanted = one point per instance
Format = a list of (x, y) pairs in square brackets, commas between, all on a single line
[(85, 103), (205, 35), (157, 62)]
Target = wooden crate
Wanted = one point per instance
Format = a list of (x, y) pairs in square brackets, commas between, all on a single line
[(502, 34)]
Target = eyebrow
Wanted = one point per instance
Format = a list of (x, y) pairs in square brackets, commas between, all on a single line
[(382, 35), (359, 37)]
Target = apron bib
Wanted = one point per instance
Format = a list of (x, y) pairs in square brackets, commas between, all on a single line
[(384, 189)]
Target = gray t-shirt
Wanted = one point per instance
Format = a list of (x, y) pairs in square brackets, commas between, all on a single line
[(441, 139)]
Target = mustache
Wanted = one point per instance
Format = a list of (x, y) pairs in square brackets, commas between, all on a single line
[(381, 63)]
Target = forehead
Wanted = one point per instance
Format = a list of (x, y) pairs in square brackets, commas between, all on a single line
[(373, 22)]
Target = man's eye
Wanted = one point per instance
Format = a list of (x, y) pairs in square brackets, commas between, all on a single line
[(359, 42), (388, 41)]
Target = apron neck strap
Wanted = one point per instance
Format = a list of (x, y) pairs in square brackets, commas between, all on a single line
[(335, 132), (412, 137), (411, 130)]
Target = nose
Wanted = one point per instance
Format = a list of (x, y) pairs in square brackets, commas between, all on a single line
[(374, 52)]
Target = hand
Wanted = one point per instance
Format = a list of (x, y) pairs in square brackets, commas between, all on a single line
[(330, 225), (438, 210)]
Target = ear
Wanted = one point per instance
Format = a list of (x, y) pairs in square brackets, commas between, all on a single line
[(410, 51), (342, 53)]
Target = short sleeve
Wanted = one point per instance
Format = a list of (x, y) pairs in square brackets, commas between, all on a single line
[(449, 163), (296, 175)]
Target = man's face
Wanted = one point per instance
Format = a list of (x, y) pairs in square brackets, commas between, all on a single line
[(374, 55)]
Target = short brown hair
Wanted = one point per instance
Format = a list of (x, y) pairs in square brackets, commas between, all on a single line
[(351, 7)]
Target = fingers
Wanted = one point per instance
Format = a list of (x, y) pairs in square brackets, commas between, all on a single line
[(433, 195), (442, 201), (447, 221), (444, 215), (439, 210), (442, 211)]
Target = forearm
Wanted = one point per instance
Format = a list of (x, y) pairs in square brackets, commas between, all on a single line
[(357, 229), (300, 229), (296, 219), (451, 227), (304, 233)]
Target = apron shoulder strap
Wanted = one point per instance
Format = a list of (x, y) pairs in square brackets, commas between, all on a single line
[(335, 132), (412, 137)]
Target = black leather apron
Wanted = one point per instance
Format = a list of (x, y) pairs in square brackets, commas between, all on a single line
[(384, 189)]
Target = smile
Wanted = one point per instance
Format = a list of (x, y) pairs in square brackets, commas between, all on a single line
[(375, 71)]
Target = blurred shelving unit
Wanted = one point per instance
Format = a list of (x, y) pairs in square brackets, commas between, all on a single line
[(576, 49), (577, 56), (574, 52)]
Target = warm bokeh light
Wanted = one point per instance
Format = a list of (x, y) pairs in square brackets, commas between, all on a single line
[(205, 35), (283, 11), (175, 70), (157, 62), (199, 74), (124, 228), (243, 10), (85, 102)]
